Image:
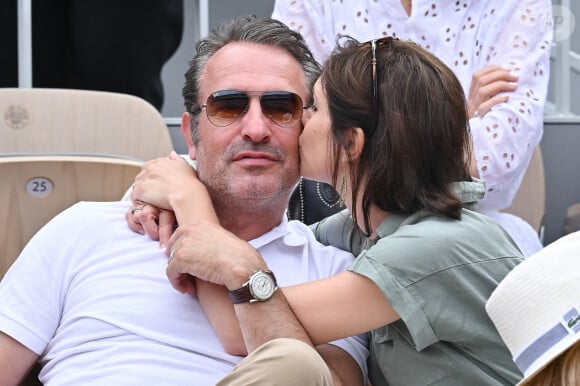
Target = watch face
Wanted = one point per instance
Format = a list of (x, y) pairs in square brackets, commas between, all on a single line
[(262, 286)]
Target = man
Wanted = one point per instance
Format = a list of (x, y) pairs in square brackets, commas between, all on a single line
[(95, 305)]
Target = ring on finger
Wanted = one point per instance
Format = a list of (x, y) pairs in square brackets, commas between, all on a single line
[(476, 114), (171, 256)]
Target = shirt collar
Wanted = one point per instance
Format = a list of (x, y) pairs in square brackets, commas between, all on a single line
[(287, 231), (468, 192)]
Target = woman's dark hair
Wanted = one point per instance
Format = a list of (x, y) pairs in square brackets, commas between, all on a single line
[(416, 131)]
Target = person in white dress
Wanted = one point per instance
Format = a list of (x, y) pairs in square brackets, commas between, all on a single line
[(499, 50)]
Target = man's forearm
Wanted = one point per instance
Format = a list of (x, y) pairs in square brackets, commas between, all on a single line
[(257, 322), (261, 322), (265, 323)]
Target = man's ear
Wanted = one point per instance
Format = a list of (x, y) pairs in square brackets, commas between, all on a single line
[(186, 131), (354, 144)]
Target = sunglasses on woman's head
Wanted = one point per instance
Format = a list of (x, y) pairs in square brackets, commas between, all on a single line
[(225, 107), (376, 43)]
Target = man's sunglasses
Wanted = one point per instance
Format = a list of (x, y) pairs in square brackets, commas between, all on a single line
[(228, 106)]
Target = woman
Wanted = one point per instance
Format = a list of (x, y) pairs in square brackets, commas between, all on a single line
[(500, 52), (388, 129)]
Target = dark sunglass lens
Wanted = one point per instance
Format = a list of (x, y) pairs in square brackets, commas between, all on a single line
[(226, 107), (283, 108)]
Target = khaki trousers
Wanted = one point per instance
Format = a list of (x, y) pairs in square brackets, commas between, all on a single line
[(280, 362)]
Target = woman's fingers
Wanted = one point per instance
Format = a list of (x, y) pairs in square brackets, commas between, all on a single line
[(485, 88)]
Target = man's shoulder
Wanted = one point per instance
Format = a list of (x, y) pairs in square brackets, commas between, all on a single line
[(89, 216), (95, 209)]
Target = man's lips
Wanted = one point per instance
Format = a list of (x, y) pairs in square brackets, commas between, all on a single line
[(252, 156)]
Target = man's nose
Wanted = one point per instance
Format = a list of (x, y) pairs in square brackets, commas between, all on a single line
[(255, 125)]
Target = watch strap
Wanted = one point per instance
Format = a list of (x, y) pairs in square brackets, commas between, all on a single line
[(241, 295)]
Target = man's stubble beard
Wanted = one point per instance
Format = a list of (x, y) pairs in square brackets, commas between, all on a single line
[(249, 192), (230, 190)]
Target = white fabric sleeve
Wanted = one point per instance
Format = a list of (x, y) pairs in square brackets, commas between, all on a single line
[(32, 291), (520, 39)]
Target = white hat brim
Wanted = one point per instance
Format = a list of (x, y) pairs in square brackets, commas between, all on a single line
[(548, 357)]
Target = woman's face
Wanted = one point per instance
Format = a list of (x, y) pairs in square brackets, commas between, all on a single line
[(315, 140)]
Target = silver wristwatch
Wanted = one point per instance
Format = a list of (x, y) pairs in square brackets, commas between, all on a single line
[(259, 288)]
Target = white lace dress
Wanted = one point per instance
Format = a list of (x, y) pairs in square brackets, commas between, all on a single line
[(467, 36)]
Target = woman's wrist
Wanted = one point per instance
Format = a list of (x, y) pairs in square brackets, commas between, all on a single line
[(189, 207)]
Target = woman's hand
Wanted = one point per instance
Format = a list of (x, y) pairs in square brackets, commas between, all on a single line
[(147, 219), (163, 179), (152, 217), (166, 192), (487, 89)]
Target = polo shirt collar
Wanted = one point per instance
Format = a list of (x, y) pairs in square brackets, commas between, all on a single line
[(281, 231)]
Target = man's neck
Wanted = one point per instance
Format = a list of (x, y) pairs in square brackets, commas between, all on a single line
[(250, 223)]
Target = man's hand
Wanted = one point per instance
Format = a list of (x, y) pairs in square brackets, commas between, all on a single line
[(207, 251)]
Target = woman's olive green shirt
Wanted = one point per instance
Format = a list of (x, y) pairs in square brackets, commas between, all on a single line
[(437, 273)]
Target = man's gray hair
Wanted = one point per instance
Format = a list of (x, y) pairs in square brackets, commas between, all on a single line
[(252, 29)]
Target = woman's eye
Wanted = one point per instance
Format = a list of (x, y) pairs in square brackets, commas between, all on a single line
[(314, 108)]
